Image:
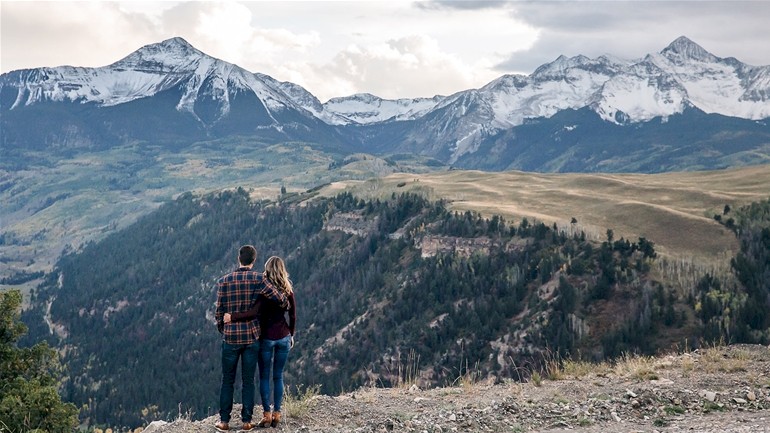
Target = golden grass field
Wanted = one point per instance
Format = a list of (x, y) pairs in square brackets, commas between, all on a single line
[(674, 210)]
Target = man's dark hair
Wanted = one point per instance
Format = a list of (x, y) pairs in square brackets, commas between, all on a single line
[(246, 255)]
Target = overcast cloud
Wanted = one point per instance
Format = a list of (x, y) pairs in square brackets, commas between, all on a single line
[(393, 49)]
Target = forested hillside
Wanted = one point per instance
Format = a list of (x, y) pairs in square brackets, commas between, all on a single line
[(739, 309), (385, 290)]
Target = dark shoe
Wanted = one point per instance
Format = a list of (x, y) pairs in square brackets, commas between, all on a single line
[(248, 426), (267, 418), (222, 426), (276, 419)]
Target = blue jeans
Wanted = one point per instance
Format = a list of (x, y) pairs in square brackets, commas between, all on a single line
[(248, 353), (272, 353)]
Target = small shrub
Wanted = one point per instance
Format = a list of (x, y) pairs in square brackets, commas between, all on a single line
[(710, 406), (671, 410)]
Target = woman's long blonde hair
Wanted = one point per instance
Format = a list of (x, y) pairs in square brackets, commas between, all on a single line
[(275, 272)]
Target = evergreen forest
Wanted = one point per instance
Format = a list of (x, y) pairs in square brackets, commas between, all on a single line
[(387, 291)]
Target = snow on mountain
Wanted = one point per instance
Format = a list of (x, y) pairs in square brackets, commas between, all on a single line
[(464, 119), (364, 108), (715, 85), (302, 98), (683, 52), (620, 91), (562, 84), (151, 69), (684, 74), (642, 92)]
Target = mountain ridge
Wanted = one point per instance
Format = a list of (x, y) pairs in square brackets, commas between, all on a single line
[(171, 54), (191, 96)]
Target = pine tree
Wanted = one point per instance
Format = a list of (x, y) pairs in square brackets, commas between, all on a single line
[(29, 401)]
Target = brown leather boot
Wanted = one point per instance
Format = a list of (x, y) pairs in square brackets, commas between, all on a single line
[(267, 419), (276, 419)]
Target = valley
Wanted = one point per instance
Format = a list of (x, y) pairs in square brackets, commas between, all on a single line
[(55, 203)]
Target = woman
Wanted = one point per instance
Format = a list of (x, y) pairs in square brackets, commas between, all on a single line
[(276, 338)]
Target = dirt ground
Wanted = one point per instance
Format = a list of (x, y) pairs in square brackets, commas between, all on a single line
[(714, 390)]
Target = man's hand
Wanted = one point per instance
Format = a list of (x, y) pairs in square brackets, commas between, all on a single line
[(227, 318), (291, 342)]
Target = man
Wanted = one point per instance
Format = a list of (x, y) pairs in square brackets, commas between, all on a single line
[(236, 292)]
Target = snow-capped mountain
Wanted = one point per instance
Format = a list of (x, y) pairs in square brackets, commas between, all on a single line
[(365, 108), (686, 74), (144, 73), (681, 76), (171, 91), (211, 92)]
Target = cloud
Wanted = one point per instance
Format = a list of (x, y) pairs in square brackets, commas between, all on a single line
[(226, 30), (333, 49), (394, 49), (633, 29), (52, 34), (462, 4), (406, 67)]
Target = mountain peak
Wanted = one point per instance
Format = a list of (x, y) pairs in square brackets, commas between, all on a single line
[(561, 65), (176, 41), (169, 52), (684, 48)]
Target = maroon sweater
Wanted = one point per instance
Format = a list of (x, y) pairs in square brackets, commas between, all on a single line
[(272, 318)]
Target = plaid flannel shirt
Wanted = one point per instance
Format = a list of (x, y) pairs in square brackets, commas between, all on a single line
[(236, 292)]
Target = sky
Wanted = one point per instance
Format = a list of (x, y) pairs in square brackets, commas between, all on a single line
[(392, 49)]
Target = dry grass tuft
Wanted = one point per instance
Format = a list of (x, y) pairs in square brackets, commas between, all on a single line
[(578, 369), (553, 366), (297, 405), (719, 358), (687, 364), (468, 377), (636, 366), (536, 379), (409, 371)]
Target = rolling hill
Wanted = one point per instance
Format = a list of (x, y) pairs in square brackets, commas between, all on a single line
[(674, 210)]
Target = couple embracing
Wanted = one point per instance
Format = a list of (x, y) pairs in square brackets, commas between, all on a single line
[(251, 317)]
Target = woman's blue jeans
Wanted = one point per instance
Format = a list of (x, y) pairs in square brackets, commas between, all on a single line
[(272, 356)]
